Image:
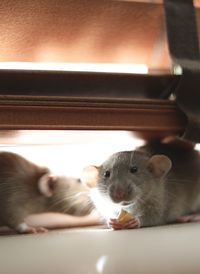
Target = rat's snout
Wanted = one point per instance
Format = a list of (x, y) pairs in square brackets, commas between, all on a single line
[(119, 194)]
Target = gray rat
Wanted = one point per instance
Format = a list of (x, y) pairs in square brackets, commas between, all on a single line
[(26, 188), (158, 183)]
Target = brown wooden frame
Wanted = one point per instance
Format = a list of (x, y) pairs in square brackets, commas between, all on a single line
[(35, 112)]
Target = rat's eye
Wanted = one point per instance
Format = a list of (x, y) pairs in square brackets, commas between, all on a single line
[(106, 174), (133, 169)]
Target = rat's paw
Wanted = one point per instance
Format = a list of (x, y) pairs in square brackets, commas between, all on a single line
[(189, 218), (114, 223), (40, 229), (133, 223), (127, 224), (23, 228)]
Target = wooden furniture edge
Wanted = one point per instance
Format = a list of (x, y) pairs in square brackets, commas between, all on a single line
[(35, 112)]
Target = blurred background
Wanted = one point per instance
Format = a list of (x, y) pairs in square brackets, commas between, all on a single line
[(85, 31)]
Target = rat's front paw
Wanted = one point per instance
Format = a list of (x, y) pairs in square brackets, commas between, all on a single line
[(23, 228), (132, 222), (189, 218)]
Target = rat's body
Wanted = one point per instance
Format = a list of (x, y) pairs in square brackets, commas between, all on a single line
[(157, 183), (26, 188)]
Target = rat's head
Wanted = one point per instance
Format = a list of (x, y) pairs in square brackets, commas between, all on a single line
[(126, 176), (65, 194)]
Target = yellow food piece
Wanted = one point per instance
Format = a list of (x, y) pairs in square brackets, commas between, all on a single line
[(124, 216)]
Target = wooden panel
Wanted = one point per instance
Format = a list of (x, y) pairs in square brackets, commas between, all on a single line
[(61, 113), (85, 84)]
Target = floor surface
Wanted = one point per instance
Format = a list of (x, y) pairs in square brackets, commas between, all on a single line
[(167, 249)]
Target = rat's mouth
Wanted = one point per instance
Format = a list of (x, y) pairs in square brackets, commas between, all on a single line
[(126, 203)]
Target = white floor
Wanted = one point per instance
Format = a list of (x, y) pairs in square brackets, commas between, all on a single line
[(158, 250)]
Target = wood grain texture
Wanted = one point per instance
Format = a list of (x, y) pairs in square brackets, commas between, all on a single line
[(26, 112)]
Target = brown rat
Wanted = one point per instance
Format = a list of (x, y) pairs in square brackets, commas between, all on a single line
[(26, 188), (158, 183)]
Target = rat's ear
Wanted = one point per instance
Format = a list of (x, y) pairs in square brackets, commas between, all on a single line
[(159, 165), (89, 176), (47, 184)]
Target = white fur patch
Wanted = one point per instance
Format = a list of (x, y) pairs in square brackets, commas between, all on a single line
[(104, 205), (23, 227)]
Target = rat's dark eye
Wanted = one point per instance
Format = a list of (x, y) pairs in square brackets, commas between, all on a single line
[(106, 174), (133, 169)]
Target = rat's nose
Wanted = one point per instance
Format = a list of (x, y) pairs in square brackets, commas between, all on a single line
[(120, 194)]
